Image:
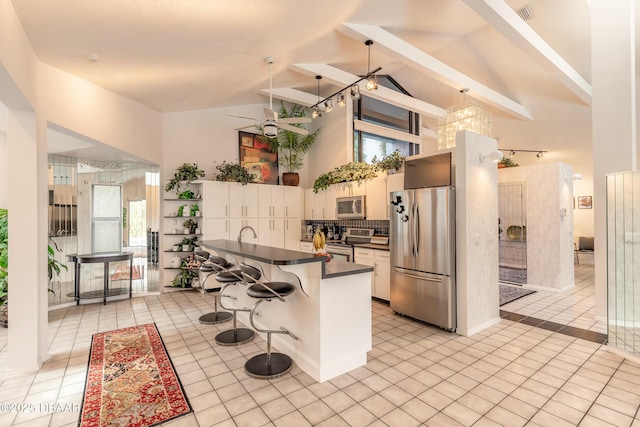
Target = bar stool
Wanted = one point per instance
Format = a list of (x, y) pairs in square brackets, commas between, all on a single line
[(235, 335), (270, 364), (218, 264)]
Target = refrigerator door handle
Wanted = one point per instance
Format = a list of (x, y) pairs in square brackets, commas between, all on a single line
[(412, 235), (429, 279), (417, 220)]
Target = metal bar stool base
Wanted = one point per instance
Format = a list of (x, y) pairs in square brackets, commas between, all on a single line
[(231, 337), (257, 367), (215, 317)]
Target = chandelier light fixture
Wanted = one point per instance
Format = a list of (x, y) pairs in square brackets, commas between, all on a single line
[(467, 116), (353, 88)]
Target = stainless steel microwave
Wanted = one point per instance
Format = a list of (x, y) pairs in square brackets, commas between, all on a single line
[(350, 207)]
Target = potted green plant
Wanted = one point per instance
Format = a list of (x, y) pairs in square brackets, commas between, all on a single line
[(290, 146), (183, 210), (506, 162), (390, 163), (234, 172), (184, 278), (190, 225), (188, 243), (186, 194), (186, 173), (195, 210)]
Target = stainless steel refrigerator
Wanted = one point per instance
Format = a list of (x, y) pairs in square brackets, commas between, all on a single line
[(422, 233)]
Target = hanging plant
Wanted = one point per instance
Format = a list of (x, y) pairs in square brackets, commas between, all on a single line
[(234, 172), (186, 173), (353, 171)]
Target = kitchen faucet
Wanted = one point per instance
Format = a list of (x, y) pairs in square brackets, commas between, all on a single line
[(242, 229)]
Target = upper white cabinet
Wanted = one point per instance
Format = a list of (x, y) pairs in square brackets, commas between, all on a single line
[(271, 201), (215, 196), (293, 202), (377, 199), (243, 200), (395, 182), (315, 204)]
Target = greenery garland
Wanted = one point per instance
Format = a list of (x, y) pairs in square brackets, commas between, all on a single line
[(234, 172)]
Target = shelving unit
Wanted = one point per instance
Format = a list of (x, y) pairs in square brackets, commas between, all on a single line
[(173, 222)]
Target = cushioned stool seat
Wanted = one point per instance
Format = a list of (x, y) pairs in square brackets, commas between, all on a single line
[(235, 335), (213, 264), (270, 364)]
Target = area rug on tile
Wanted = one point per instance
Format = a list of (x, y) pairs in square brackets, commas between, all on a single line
[(131, 380), (511, 293), (123, 274)]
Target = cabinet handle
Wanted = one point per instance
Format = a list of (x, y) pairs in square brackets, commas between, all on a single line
[(286, 210), (287, 224), (322, 213), (226, 226), (226, 210), (312, 213)]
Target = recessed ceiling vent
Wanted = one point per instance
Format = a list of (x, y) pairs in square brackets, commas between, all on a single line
[(525, 13)]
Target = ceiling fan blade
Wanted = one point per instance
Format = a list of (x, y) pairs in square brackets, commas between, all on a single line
[(243, 117), (295, 120), (270, 114), (293, 129), (247, 127)]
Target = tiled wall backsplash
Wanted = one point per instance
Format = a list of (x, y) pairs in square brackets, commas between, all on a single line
[(380, 226)]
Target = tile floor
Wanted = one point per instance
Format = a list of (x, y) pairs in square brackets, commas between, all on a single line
[(511, 374)]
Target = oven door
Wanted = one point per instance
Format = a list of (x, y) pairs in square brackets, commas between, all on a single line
[(343, 253)]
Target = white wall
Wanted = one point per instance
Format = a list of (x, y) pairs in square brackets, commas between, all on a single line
[(549, 233), (476, 234), (4, 172)]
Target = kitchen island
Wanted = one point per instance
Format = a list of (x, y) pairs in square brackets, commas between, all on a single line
[(330, 312)]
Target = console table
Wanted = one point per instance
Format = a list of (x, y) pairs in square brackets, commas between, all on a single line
[(105, 259)]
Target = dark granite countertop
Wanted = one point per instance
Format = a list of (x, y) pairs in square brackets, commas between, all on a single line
[(277, 256), (266, 254)]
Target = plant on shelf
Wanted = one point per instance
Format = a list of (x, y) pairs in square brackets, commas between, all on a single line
[(184, 278), (186, 194), (191, 224), (393, 161), (290, 146), (186, 173), (507, 163), (189, 241), (195, 209), (353, 171), (234, 172)]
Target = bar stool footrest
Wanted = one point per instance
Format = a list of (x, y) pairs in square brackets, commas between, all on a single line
[(215, 317), (231, 337), (257, 367)]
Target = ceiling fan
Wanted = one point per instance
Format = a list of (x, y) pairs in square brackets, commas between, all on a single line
[(271, 122)]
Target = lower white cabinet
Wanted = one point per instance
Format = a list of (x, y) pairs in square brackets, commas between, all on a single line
[(380, 261), (292, 233), (306, 247)]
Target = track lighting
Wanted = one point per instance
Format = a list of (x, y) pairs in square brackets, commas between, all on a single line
[(539, 155), (316, 113), (328, 106), (512, 153), (355, 92), (354, 88)]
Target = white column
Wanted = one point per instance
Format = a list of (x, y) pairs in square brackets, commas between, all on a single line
[(27, 244), (476, 234), (613, 115)]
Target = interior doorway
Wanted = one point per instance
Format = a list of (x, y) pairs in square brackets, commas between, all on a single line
[(512, 231)]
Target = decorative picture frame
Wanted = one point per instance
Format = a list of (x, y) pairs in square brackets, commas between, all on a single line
[(585, 202), (256, 156)]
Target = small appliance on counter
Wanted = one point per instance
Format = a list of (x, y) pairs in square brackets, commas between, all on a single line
[(380, 240)]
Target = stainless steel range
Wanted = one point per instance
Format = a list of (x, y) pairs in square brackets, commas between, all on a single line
[(343, 249)]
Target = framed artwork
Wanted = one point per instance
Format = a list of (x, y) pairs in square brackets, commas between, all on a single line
[(257, 157), (585, 202)]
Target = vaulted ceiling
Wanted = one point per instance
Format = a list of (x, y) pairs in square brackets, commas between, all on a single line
[(184, 55)]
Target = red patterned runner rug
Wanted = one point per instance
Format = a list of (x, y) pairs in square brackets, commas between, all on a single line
[(131, 380)]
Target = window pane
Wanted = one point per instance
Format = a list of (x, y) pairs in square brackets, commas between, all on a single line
[(106, 236), (106, 201), (374, 145)]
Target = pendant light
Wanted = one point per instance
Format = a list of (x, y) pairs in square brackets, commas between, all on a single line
[(372, 84), (316, 111), (341, 102)]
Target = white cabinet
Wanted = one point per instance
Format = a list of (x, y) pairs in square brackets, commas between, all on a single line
[(271, 201), (306, 247), (314, 204), (215, 196), (216, 228), (292, 233), (395, 182), (293, 202), (271, 232), (377, 199), (243, 200), (380, 261)]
